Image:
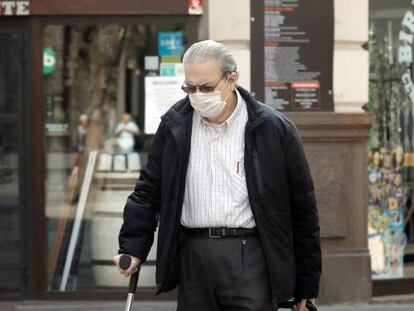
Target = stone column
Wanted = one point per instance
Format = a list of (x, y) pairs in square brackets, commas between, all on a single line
[(229, 23), (351, 58), (336, 147)]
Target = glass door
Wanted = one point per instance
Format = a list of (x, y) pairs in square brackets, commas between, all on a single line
[(99, 124), (12, 260)]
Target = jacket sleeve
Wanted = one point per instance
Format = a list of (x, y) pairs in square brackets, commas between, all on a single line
[(305, 220), (140, 216)]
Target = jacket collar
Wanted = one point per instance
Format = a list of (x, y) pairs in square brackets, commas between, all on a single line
[(182, 111), (255, 110)]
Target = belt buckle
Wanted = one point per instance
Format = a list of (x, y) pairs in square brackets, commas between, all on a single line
[(211, 236)]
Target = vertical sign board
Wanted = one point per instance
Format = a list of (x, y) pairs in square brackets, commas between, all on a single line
[(292, 54)]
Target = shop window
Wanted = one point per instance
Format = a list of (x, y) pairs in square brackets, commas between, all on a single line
[(105, 88), (391, 145), (11, 211)]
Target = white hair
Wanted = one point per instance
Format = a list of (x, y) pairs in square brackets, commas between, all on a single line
[(203, 50)]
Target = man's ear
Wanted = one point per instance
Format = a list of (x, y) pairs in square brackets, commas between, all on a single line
[(233, 78)]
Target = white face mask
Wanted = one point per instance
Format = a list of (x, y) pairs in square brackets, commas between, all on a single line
[(208, 105)]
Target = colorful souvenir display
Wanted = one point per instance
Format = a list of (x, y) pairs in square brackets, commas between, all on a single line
[(386, 209)]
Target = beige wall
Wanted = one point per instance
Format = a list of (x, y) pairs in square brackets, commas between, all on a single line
[(229, 22), (351, 62)]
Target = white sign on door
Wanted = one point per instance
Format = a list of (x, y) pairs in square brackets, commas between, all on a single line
[(160, 94)]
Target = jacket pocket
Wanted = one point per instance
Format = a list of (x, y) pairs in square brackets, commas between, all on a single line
[(257, 172), (280, 225)]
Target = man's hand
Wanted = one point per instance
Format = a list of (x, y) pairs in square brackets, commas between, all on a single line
[(301, 306), (135, 262)]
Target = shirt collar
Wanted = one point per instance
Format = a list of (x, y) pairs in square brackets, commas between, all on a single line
[(236, 112)]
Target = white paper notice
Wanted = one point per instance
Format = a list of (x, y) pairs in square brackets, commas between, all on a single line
[(160, 94)]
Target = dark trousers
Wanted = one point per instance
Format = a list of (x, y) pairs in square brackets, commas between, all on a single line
[(223, 274)]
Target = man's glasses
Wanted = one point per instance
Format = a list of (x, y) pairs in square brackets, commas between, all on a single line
[(191, 89)]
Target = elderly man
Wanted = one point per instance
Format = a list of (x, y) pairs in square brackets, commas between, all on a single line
[(229, 183)]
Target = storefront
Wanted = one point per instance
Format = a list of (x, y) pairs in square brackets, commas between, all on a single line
[(391, 200), (82, 86), (70, 70)]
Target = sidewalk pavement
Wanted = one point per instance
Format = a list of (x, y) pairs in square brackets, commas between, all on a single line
[(7, 305), (406, 304)]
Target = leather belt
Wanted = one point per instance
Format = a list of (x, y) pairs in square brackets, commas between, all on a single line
[(218, 232)]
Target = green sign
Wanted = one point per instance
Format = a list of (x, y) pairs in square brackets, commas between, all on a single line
[(167, 69), (172, 69), (49, 61)]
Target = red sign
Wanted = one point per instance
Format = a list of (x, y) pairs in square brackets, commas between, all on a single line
[(195, 7)]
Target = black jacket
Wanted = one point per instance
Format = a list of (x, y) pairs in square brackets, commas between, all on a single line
[(280, 191)]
